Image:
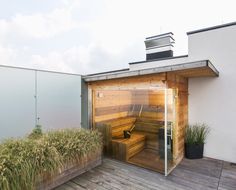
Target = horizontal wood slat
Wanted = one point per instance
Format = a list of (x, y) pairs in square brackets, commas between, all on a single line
[(128, 108), (123, 149)]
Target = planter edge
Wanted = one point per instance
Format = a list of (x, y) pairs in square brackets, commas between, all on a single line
[(69, 174)]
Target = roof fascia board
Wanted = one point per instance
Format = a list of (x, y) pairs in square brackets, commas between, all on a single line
[(209, 64), (177, 67)]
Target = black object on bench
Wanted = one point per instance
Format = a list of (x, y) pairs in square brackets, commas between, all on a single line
[(127, 133)]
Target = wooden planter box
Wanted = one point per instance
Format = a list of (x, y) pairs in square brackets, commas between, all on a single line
[(88, 162)]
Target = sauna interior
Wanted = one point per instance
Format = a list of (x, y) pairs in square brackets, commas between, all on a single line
[(132, 113)]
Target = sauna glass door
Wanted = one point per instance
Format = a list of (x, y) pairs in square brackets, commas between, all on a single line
[(170, 118), (136, 125)]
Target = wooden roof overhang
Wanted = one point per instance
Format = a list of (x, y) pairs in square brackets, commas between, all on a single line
[(203, 68)]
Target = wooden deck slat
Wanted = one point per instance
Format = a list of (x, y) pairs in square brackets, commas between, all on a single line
[(84, 183), (74, 185), (207, 174), (228, 177), (101, 180), (196, 178), (203, 166), (137, 177), (64, 187), (120, 182), (157, 180)]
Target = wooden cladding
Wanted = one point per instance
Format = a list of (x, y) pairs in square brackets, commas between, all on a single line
[(124, 149), (116, 100), (111, 104), (130, 83), (181, 85), (128, 108), (150, 128), (112, 109)]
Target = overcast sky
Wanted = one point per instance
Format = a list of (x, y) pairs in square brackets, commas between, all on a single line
[(88, 36)]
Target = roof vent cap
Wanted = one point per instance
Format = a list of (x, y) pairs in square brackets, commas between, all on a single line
[(159, 46)]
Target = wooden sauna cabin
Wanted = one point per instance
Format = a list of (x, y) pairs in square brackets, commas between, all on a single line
[(143, 104)]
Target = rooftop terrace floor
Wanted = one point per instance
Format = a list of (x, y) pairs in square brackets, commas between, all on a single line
[(202, 174)]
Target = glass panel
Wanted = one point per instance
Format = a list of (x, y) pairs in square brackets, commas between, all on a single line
[(59, 100), (171, 112), (132, 122), (17, 102)]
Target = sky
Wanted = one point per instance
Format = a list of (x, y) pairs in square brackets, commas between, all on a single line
[(89, 36)]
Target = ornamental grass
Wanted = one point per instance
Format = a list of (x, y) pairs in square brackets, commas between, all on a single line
[(27, 161)]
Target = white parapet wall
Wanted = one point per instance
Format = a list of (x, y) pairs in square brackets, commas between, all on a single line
[(212, 100), (29, 97)]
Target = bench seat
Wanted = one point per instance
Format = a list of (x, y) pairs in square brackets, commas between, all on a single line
[(123, 149)]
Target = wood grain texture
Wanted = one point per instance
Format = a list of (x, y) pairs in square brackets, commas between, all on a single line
[(88, 162), (113, 99), (154, 80), (149, 158), (114, 128), (123, 149), (180, 85), (206, 174), (197, 72), (149, 127)]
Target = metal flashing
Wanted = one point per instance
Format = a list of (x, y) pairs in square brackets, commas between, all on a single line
[(160, 59), (30, 69), (211, 28), (106, 72), (156, 70), (160, 35)]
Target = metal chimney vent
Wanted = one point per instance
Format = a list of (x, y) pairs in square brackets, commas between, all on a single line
[(159, 46)]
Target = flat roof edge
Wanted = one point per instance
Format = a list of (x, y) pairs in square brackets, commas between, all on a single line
[(160, 59), (209, 64), (156, 70), (107, 72), (211, 28)]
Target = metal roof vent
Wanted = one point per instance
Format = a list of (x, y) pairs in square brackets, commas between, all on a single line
[(159, 46)]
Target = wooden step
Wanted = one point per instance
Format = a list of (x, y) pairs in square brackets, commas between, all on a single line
[(132, 150), (123, 149)]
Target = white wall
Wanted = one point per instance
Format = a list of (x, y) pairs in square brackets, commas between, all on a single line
[(57, 102), (212, 100)]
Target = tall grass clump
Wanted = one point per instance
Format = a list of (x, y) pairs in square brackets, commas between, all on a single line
[(25, 162), (36, 133), (196, 134), (73, 144)]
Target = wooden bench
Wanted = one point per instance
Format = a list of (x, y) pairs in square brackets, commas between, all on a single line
[(123, 149), (145, 133), (113, 129)]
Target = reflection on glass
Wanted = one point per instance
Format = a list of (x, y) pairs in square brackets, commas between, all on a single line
[(132, 122)]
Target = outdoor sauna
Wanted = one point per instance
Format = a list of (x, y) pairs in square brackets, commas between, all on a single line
[(142, 118)]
